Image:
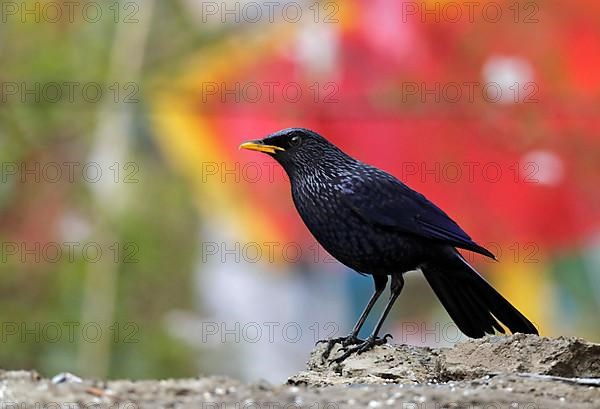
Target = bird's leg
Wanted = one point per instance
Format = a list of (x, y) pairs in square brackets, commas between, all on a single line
[(373, 340), (352, 338), (380, 283), (396, 289)]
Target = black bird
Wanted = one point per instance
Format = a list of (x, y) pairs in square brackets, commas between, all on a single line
[(375, 224)]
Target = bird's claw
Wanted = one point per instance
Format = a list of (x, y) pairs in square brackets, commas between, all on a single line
[(349, 340), (364, 346), (345, 341)]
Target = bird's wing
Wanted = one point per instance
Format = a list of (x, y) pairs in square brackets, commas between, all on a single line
[(383, 200)]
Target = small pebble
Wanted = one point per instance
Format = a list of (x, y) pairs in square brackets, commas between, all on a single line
[(66, 377)]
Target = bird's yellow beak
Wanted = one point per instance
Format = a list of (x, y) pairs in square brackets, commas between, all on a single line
[(257, 146)]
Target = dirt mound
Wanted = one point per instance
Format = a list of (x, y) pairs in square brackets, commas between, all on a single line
[(525, 355), (516, 372), (385, 364), (565, 357)]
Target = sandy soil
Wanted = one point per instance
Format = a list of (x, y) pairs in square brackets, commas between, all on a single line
[(514, 372)]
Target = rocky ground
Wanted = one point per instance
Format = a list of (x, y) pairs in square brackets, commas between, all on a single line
[(492, 373)]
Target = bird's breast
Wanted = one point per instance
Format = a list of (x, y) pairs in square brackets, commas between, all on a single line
[(347, 237)]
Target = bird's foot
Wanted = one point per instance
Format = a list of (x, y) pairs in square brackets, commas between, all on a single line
[(345, 341), (364, 346)]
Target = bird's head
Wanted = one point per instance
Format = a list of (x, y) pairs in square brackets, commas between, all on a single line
[(296, 149)]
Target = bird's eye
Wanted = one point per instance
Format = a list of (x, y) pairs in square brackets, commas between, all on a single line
[(295, 141)]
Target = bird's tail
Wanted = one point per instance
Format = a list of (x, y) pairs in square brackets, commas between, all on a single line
[(473, 304)]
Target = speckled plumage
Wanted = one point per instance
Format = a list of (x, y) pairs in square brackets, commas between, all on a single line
[(363, 216), (328, 206), (375, 224)]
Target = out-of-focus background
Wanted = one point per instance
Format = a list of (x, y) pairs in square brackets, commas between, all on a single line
[(137, 241)]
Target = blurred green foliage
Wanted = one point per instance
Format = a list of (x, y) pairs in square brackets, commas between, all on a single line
[(158, 215)]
